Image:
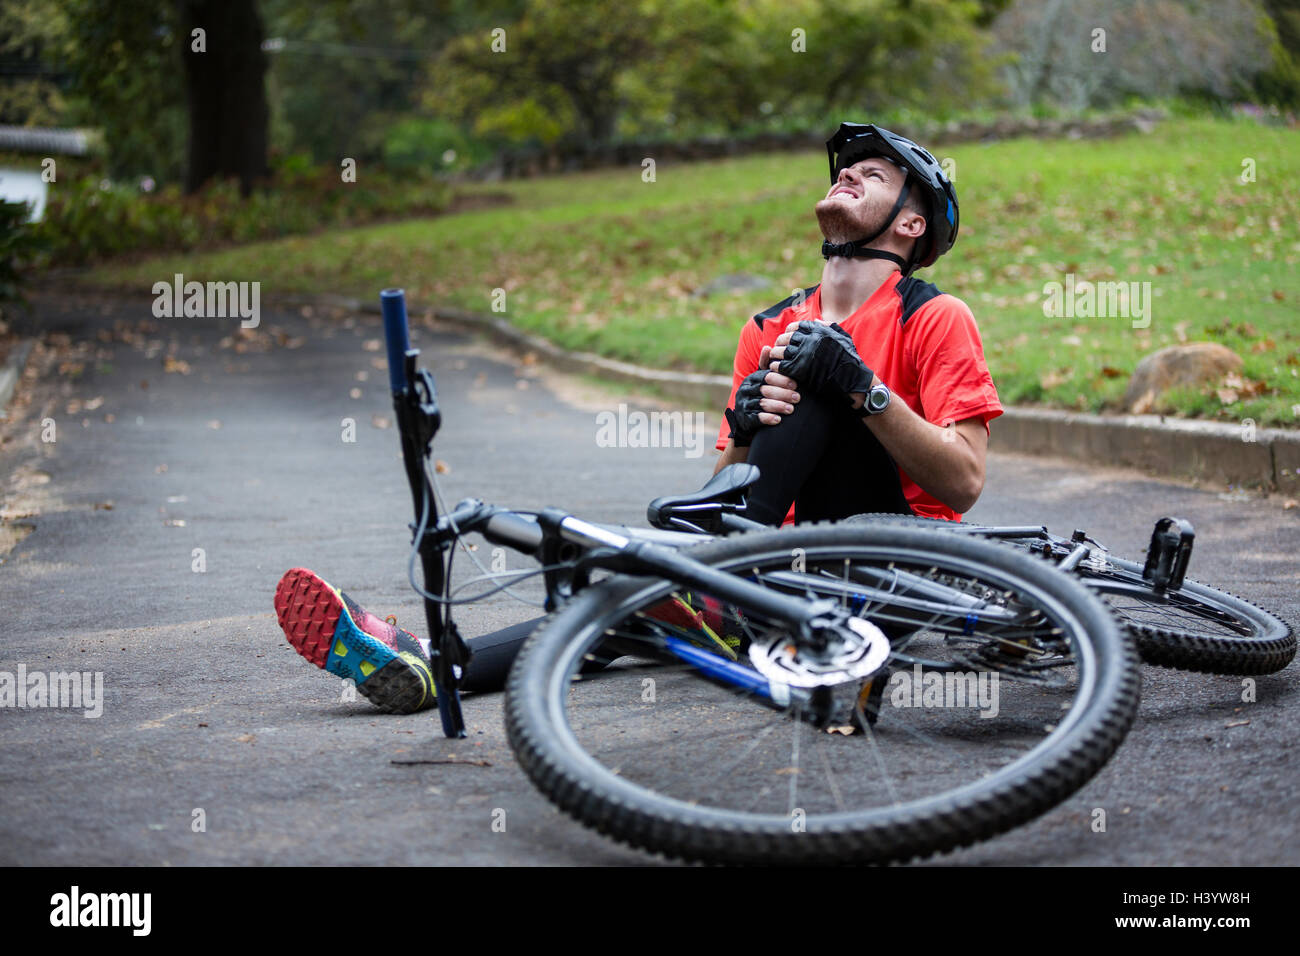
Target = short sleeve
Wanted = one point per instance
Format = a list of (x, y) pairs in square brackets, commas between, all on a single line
[(748, 350), (953, 379)]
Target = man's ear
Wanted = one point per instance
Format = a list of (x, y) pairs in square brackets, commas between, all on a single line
[(911, 224)]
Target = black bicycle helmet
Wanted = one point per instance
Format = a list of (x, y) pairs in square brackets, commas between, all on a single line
[(854, 142)]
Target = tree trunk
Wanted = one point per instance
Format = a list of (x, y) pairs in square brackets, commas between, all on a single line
[(226, 89)]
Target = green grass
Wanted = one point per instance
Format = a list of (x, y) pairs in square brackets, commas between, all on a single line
[(604, 261)]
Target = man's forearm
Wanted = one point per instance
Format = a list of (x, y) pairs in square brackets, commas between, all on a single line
[(945, 462), (730, 456)]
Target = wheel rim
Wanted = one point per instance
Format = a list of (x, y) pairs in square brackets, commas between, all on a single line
[(1173, 612), (716, 754)]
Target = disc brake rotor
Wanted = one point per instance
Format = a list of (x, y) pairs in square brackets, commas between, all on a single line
[(853, 652)]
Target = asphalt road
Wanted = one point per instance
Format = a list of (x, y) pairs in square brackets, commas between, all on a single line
[(191, 468)]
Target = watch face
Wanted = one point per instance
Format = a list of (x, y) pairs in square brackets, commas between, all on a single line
[(878, 399)]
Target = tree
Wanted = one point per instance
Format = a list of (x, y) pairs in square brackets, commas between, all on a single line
[(225, 85), (1280, 83), (344, 72), (122, 57), (1149, 48), (552, 73), (30, 38), (587, 69)]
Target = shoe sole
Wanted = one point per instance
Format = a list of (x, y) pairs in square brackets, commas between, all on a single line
[(318, 626)]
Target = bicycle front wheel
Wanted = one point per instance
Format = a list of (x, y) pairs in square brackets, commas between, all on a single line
[(1006, 687)]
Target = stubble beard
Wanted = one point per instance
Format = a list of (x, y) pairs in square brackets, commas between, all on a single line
[(847, 221)]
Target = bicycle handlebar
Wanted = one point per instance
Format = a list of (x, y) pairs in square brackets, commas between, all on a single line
[(397, 335)]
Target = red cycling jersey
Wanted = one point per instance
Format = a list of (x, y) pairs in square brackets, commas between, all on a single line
[(919, 341)]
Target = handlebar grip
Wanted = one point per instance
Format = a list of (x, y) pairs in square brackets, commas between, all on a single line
[(514, 531), (396, 334)]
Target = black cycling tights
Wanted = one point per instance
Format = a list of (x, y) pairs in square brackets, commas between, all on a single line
[(821, 458), (824, 461)]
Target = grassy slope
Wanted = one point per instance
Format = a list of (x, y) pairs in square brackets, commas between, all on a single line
[(605, 261)]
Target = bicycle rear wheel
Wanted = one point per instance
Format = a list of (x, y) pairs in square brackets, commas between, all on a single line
[(1194, 628), (1010, 687)]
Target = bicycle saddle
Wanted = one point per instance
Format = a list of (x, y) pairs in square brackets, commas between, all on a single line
[(725, 491)]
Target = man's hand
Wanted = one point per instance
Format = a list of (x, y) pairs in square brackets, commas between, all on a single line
[(762, 398), (824, 358)]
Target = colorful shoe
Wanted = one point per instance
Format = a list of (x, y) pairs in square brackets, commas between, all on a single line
[(388, 665)]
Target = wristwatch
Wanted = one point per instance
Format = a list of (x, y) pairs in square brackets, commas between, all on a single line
[(877, 400)]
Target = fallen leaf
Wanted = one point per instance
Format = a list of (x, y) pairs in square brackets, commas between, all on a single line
[(245, 738), (1050, 380), (174, 523), (175, 365), (1109, 371), (94, 403), (441, 467), (372, 345), (379, 421), (1290, 504), (1237, 723)]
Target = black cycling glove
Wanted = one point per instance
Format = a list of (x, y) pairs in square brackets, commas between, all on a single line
[(744, 419), (822, 359)]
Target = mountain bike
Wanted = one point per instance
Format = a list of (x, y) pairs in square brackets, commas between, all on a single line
[(819, 694), (1175, 621)]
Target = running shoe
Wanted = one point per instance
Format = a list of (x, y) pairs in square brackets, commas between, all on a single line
[(390, 666)]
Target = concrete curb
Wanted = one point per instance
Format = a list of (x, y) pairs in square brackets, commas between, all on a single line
[(1180, 448), (13, 368), (1186, 449)]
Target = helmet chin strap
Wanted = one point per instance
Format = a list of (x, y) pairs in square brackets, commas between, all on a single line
[(857, 248)]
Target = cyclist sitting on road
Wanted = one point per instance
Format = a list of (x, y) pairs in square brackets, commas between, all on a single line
[(865, 393), (848, 444)]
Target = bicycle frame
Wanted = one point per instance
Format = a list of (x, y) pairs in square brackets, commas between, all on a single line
[(555, 538)]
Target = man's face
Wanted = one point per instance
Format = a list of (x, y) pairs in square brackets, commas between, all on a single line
[(861, 198)]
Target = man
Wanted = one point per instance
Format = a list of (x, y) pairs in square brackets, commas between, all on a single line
[(831, 437)]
